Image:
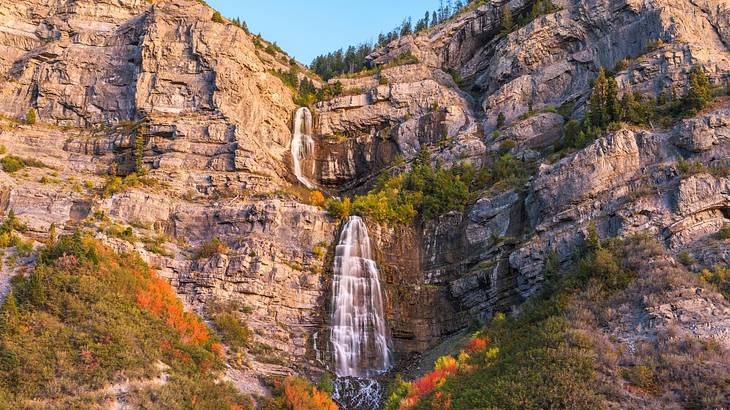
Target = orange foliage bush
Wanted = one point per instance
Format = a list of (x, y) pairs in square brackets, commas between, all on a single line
[(300, 395), (158, 298), (219, 350), (317, 198), (477, 344), (446, 366), (427, 384)]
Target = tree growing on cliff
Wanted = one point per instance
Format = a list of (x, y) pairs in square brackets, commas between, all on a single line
[(628, 111), (598, 103), (217, 17), (506, 22), (699, 94), (139, 151), (613, 104)]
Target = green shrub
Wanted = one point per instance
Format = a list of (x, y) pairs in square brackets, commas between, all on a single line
[(31, 116), (639, 376), (718, 277), (217, 18), (724, 233), (3, 149), (233, 330), (699, 94), (500, 120), (114, 184), (686, 259), (211, 248), (339, 208), (12, 164), (425, 191), (123, 233)]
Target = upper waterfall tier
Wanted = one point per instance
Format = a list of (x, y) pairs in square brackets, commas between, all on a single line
[(302, 145)]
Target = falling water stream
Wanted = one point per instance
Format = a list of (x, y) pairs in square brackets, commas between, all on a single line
[(359, 337), (302, 144)]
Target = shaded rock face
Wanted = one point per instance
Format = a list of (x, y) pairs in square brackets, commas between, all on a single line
[(442, 276), (407, 108)]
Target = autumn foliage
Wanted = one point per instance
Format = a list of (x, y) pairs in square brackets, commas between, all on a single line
[(446, 366), (158, 298), (105, 317), (294, 393)]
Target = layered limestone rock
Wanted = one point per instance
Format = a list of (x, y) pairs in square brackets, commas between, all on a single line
[(203, 90), (394, 113)]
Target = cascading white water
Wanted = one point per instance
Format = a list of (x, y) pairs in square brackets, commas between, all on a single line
[(302, 144), (359, 337)]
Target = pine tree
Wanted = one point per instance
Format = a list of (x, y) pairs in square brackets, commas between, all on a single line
[(598, 103), (51, 235), (500, 120), (506, 20), (406, 27), (9, 310), (613, 105), (593, 240), (139, 151), (628, 113), (537, 9), (700, 91)]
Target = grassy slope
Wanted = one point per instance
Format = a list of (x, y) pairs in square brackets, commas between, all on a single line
[(86, 317)]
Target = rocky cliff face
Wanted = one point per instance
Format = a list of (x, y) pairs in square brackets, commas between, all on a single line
[(215, 127)]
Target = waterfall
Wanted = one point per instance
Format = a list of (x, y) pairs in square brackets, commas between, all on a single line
[(359, 337), (302, 144)]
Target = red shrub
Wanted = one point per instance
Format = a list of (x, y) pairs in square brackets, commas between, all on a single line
[(477, 344)]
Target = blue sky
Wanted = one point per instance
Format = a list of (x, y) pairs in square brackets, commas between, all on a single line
[(305, 29)]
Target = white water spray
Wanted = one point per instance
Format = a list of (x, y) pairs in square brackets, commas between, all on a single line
[(302, 144), (359, 337)]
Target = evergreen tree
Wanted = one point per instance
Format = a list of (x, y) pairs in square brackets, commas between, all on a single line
[(537, 9), (434, 19), (593, 240), (613, 105), (500, 120), (51, 235), (598, 103), (406, 27), (628, 113), (506, 20), (139, 151), (9, 310), (700, 90)]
